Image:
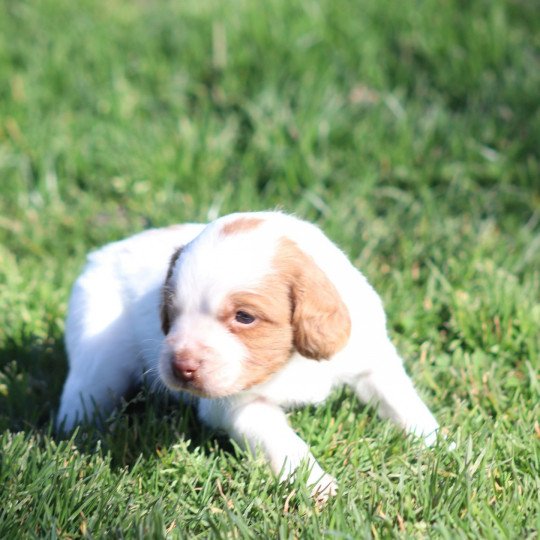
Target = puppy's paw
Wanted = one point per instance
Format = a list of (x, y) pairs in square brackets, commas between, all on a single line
[(438, 436), (430, 439), (323, 488), (425, 427)]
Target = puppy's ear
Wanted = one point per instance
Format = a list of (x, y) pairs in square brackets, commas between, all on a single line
[(167, 293), (320, 319)]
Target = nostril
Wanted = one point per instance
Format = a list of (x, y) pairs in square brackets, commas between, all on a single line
[(184, 369)]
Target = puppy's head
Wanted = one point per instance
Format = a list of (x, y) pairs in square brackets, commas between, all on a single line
[(238, 302)]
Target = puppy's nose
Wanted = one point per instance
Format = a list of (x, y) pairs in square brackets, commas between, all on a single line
[(185, 366)]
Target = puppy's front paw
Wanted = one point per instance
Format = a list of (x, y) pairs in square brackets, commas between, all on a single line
[(323, 488), (440, 437), (430, 439)]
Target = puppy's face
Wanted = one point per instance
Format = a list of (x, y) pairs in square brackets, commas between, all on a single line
[(237, 302)]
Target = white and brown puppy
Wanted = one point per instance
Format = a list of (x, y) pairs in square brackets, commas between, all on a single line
[(252, 314)]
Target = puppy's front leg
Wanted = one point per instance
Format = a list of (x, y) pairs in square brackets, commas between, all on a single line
[(262, 425)]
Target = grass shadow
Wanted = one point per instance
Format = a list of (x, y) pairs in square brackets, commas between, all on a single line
[(31, 378), (147, 424)]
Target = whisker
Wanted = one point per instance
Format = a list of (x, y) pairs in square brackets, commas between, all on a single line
[(153, 369)]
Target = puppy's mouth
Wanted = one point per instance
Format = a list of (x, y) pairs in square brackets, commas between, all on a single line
[(195, 389), (201, 391), (197, 386)]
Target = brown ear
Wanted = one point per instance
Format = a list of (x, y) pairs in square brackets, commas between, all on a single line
[(320, 319), (167, 293)]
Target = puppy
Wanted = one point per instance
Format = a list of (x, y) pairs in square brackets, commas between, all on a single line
[(252, 314)]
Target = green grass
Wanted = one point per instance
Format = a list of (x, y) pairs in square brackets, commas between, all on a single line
[(409, 132)]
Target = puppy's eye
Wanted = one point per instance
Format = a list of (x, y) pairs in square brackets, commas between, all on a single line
[(243, 317)]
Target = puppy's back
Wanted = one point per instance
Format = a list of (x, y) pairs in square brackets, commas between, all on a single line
[(117, 277)]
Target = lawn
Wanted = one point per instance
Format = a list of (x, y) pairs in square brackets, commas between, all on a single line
[(410, 132)]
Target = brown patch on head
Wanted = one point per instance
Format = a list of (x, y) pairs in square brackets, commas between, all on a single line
[(167, 293), (295, 307), (320, 319), (269, 339), (242, 224)]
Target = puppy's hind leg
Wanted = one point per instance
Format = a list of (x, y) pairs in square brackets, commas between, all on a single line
[(93, 390), (83, 401), (102, 357), (389, 387)]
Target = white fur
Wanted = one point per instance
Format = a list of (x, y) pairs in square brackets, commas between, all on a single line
[(113, 336)]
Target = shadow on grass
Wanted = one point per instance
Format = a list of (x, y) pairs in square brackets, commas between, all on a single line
[(147, 424), (31, 380)]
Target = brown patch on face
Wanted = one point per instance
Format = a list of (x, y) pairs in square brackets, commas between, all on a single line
[(167, 293), (242, 224), (269, 339), (296, 307), (320, 319)]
